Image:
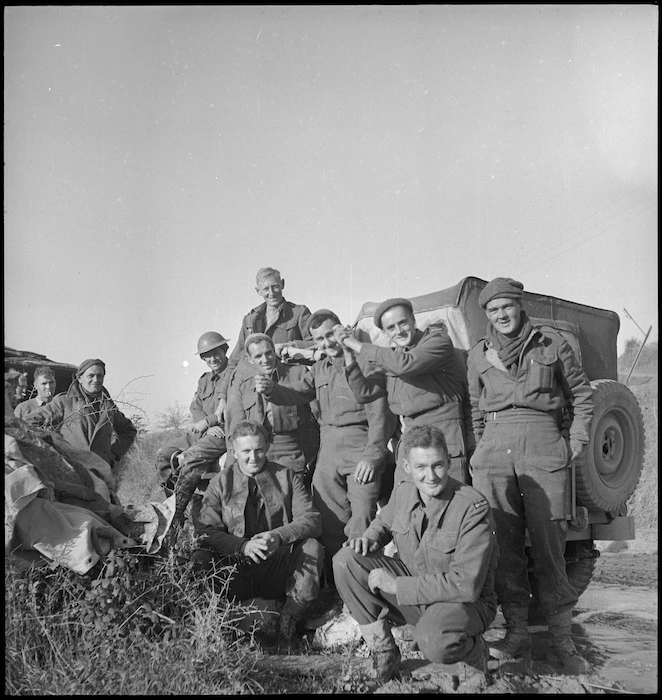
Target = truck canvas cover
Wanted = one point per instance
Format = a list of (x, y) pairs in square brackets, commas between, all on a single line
[(592, 332)]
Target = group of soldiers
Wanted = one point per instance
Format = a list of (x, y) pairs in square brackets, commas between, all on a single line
[(394, 476)]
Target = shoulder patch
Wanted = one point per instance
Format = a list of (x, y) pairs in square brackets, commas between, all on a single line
[(481, 504)]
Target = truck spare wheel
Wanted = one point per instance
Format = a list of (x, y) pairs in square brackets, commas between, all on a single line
[(609, 470)]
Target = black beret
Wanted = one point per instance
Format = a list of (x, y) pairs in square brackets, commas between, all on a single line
[(389, 304), (500, 288)]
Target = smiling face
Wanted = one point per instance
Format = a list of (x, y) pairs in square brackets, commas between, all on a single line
[(92, 379), (428, 468), (216, 359), (271, 290), (251, 453), (325, 338), (505, 315), (399, 325), (263, 356)]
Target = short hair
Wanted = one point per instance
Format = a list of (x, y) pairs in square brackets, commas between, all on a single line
[(258, 338), (423, 436), (265, 272), (319, 317), (247, 428), (44, 371)]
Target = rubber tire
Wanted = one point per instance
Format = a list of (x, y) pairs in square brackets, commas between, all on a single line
[(609, 470), (580, 561)]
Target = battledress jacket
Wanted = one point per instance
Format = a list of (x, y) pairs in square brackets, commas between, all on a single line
[(454, 559), (99, 427), (549, 378), (291, 325), (423, 378), (288, 507), (338, 407), (207, 396)]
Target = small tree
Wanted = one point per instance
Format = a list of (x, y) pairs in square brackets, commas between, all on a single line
[(140, 423), (174, 416)]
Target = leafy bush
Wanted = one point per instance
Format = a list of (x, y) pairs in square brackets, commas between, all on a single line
[(136, 624)]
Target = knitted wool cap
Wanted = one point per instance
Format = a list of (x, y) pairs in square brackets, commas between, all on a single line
[(321, 313), (389, 304), (86, 364), (500, 288), (257, 338)]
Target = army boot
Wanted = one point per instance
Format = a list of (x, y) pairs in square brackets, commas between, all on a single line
[(517, 642), (563, 645), (473, 673), (287, 639), (384, 649)]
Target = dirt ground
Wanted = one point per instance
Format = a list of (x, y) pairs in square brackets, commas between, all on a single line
[(614, 627)]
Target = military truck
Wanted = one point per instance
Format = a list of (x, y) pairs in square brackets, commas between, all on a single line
[(19, 370), (606, 476)]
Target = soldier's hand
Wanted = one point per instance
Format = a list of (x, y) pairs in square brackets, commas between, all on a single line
[(272, 541), (220, 410), (576, 449), (382, 580), (282, 349), (197, 427), (256, 549), (216, 431), (263, 384), (361, 545), (364, 472)]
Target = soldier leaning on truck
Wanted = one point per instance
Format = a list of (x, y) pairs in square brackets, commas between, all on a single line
[(420, 374), (527, 391)]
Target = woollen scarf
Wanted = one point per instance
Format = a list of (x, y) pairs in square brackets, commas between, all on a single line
[(509, 349)]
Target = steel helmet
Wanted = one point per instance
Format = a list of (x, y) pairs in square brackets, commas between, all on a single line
[(210, 340)]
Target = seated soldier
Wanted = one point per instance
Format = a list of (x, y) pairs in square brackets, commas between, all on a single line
[(283, 321), (87, 417), (442, 581), (259, 516), (44, 385), (205, 426), (293, 432)]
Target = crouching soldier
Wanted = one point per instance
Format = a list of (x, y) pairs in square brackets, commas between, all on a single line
[(259, 516), (443, 579)]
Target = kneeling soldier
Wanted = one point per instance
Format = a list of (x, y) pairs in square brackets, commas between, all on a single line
[(443, 579)]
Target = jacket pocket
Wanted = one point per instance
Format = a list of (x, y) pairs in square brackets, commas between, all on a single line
[(439, 548), (540, 373)]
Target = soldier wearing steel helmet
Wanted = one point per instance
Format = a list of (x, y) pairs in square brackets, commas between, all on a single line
[(184, 463)]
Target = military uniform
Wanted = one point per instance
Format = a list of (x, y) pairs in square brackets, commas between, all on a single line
[(521, 420), (293, 430), (198, 453), (89, 422), (425, 384), (349, 433), (290, 325), (25, 407), (232, 512), (445, 568)]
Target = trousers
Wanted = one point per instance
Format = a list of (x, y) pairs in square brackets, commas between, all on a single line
[(444, 632)]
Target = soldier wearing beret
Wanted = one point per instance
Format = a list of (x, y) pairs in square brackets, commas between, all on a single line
[(293, 431), (442, 581), (531, 409), (420, 374)]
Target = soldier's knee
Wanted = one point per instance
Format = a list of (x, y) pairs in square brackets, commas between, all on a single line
[(441, 647)]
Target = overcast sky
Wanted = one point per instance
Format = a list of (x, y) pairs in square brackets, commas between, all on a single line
[(156, 157)]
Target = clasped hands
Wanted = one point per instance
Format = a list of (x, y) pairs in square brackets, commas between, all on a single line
[(261, 546)]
